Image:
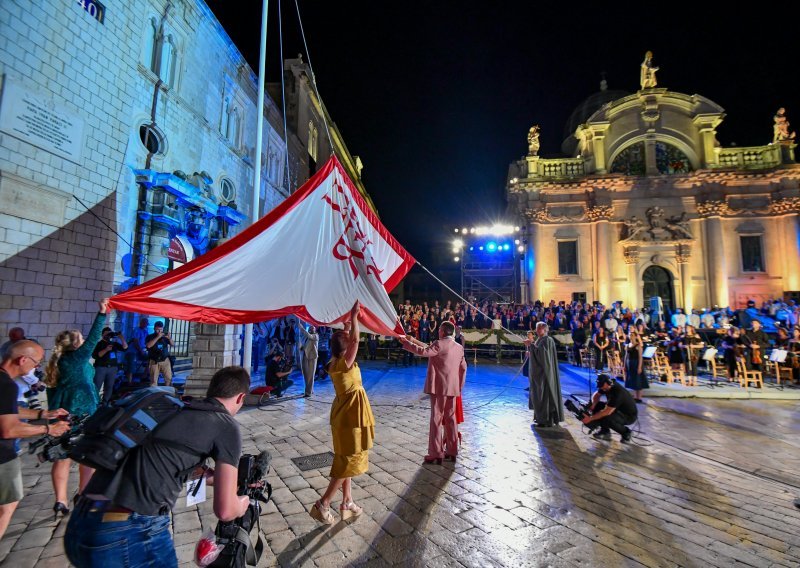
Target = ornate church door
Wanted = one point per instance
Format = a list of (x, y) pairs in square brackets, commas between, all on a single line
[(657, 281)]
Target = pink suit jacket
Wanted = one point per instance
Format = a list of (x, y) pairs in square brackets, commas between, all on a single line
[(447, 369)]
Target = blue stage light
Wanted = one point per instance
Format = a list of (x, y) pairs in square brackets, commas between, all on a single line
[(480, 248), (491, 247), (471, 248), (505, 246)]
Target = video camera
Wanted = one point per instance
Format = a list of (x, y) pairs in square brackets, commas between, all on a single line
[(55, 448), (233, 537), (580, 410)]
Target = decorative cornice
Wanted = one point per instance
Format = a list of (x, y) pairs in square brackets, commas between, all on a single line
[(786, 205), (713, 208), (631, 255)]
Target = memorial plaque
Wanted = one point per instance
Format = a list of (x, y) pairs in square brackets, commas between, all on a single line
[(40, 121), (28, 200)]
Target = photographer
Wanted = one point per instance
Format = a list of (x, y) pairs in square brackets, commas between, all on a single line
[(616, 413), (125, 513), (277, 373), (107, 358), (158, 344), (20, 359)]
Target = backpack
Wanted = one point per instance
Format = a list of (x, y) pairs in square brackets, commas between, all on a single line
[(113, 431)]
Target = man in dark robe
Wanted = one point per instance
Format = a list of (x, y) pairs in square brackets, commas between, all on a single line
[(545, 383)]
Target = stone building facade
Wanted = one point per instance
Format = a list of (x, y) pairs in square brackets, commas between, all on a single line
[(127, 147), (649, 204)]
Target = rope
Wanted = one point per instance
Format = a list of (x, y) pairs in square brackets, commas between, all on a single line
[(467, 302), (313, 77), (120, 237), (283, 100)]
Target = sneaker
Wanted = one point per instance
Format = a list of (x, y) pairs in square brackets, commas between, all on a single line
[(626, 435), (602, 435)]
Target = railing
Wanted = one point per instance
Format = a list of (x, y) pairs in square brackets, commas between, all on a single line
[(557, 168), (749, 158), (180, 332)]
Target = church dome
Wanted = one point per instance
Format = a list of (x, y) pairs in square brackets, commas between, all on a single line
[(583, 111)]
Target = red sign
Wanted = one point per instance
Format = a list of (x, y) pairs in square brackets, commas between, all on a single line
[(176, 250)]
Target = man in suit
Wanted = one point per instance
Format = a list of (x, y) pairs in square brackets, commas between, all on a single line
[(447, 371)]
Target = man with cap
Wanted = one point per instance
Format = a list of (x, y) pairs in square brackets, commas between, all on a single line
[(108, 355), (157, 345)]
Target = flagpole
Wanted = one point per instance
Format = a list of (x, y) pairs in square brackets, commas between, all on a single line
[(262, 72)]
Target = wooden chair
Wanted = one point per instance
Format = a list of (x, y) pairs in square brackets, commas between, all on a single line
[(587, 358), (746, 377), (615, 366), (661, 366), (778, 370)]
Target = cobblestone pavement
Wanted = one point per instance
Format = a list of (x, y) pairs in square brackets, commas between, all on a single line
[(706, 483)]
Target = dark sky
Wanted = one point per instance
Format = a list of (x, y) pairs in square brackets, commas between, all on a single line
[(437, 97)]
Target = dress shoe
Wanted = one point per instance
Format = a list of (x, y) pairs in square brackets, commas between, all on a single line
[(60, 507), (448, 457), (429, 459)]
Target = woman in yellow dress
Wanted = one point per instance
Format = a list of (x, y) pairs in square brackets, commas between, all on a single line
[(352, 424)]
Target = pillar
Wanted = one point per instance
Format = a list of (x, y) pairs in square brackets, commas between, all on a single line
[(603, 287), (683, 254), (215, 346), (632, 261), (791, 237), (717, 265), (532, 261)]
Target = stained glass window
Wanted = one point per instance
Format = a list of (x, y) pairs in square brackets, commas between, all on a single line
[(630, 161), (670, 160)]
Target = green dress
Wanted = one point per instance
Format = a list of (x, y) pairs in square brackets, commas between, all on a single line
[(75, 391)]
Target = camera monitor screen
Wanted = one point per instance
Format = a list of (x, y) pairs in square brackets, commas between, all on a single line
[(649, 351)]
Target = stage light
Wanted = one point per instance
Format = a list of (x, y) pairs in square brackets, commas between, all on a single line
[(516, 228), (471, 248), (491, 247), (521, 248), (464, 230), (472, 230), (516, 241), (456, 230), (480, 248), (458, 243), (505, 247), (456, 258), (455, 250)]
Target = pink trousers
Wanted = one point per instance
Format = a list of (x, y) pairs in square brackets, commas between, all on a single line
[(443, 415)]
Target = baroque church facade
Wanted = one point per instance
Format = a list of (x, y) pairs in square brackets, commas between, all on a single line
[(649, 204)]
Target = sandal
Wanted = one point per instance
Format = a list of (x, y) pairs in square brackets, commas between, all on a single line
[(349, 510), (322, 514)]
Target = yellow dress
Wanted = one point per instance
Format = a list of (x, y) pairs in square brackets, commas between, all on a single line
[(352, 422)]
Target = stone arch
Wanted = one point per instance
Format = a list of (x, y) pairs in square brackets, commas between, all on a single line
[(681, 145)]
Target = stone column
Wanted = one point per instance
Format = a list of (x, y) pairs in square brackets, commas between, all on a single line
[(599, 130), (603, 289), (215, 346), (791, 232), (717, 264), (632, 261), (532, 260), (682, 255)]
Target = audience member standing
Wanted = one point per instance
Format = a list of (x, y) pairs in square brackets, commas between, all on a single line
[(310, 355), (158, 363), (107, 362), (70, 381), (137, 351), (635, 379)]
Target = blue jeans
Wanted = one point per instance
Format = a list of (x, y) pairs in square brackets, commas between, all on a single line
[(138, 542)]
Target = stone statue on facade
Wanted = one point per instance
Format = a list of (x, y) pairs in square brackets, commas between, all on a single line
[(634, 228), (647, 76), (533, 140), (678, 225), (780, 130)]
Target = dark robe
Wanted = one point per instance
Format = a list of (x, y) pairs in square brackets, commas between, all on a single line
[(545, 383)]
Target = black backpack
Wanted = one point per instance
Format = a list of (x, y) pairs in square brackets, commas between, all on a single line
[(113, 431)]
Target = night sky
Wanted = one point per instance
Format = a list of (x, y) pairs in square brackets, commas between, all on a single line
[(437, 99)]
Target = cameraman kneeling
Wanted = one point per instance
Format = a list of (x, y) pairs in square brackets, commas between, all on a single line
[(616, 413), (122, 518)]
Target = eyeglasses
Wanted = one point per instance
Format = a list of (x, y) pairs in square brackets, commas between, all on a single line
[(38, 362)]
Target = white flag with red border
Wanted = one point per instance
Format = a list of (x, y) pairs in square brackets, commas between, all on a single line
[(313, 256)]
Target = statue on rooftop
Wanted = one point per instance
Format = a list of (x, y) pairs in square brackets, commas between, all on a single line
[(647, 77), (533, 140), (780, 130)]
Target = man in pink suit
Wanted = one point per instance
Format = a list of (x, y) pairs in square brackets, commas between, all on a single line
[(447, 371)]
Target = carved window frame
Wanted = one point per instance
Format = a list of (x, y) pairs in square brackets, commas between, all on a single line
[(576, 242), (762, 252)]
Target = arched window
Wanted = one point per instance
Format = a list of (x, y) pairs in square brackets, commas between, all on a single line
[(227, 191), (313, 135), (166, 70), (151, 50), (162, 53), (630, 161), (670, 160)]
